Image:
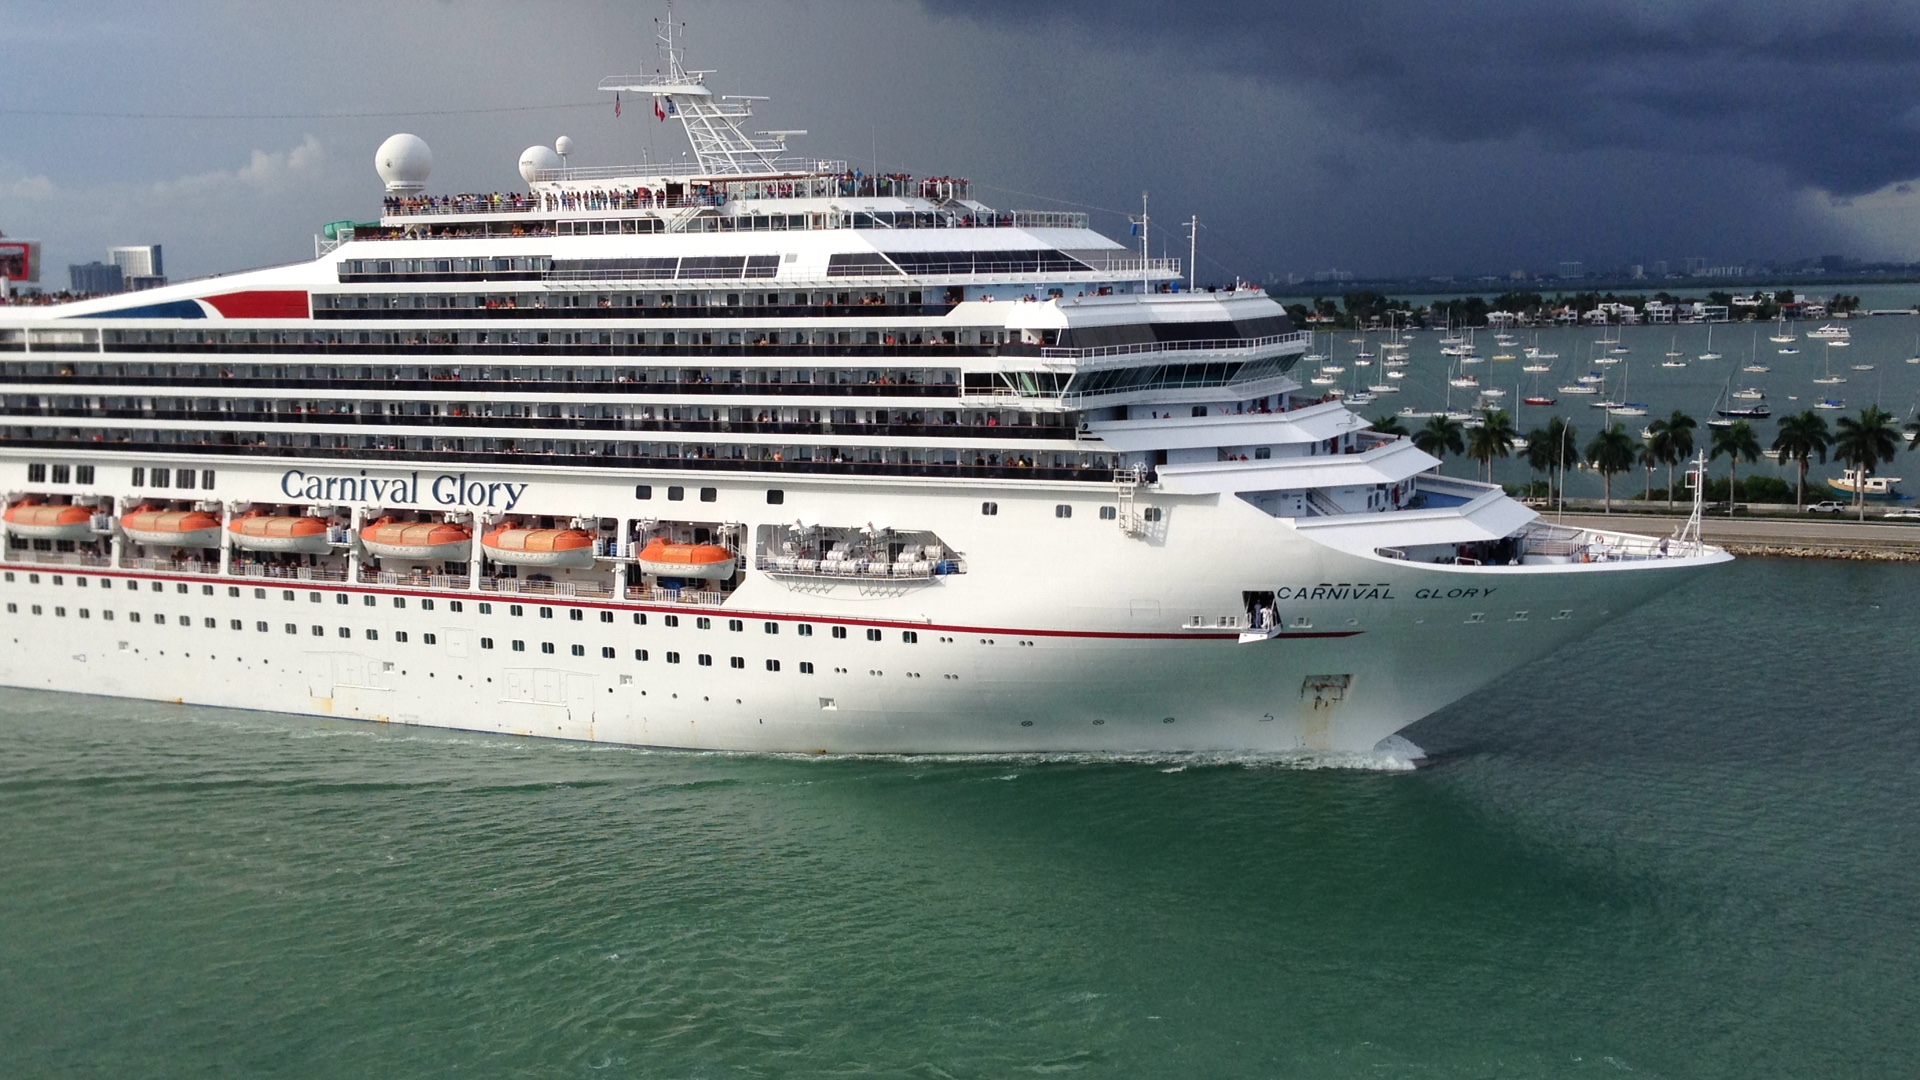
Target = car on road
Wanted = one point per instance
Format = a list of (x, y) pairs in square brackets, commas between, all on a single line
[(1828, 507), (1904, 513)]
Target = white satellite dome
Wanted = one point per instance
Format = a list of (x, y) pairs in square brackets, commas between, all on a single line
[(404, 162), (563, 146), (537, 159)]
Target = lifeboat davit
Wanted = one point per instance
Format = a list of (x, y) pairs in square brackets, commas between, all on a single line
[(421, 541), (43, 521), (268, 532), (171, 528), (709, 561), (539, 547)]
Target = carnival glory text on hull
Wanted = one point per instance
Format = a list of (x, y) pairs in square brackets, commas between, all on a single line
[(758, 453)]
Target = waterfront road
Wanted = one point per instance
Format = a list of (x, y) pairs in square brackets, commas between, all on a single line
[(1837, 534)]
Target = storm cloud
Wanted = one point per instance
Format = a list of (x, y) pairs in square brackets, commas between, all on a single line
[(1471, 136)]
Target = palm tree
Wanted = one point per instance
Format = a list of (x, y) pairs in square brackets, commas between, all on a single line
[(1802, 435), (1649, 460), (1672, 443), (1547, 449), (1440, 437), (1611, 452), (1864, 444), (1737, 441), (1913, 434), (1493, 438), (1388, 424)]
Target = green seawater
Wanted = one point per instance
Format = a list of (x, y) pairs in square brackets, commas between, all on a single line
[(1685, 847)]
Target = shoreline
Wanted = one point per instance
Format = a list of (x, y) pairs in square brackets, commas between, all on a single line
[(1774, 537)]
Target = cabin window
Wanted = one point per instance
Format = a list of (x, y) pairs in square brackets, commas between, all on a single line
[(640, 655), (804, 629), (292, 628), (546, 613), (1063, 511), (576, 614), (675, 494), (62, 474), (911, 637), (643, 491), (606, 616), (606, 652), (773, 665), (400, 636), (1151, 513), (806, 667), (840, 631), (430, 639), (578, 650), (138, 478), (83, 474), (706, 660), (486, 643), (398, 601), (516, 610), (519, 646), (486, 608), (772, 628), (709, 494), (703, 623), (989, 509), (737, 662), (639, 618), (873, 635), (673, 658), (671, 620), (456, 605), (775, 497), (1109, 513), (36, 473), (206, 479), (736, 625)]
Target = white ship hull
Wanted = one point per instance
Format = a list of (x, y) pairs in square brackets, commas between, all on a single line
[(1063, 635)]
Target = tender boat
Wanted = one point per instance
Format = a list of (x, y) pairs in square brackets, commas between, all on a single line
[(420, 541), (1579, 388), (1749, 412), (1830, 404), (709, 561), (280, 533), (539, 547), (1750, 393), (1875, 488), (46, 521), (171, 528), (1539, 400)]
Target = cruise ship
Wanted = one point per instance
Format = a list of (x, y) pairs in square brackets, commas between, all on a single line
[(758, 453)]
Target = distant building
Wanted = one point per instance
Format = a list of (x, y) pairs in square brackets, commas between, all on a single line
[(1571, 270), (1638, 271), (95, 277), (1660, 268), (141, 267), (1696, 266)]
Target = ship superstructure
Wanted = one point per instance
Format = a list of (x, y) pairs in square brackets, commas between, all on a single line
[(751, 452)]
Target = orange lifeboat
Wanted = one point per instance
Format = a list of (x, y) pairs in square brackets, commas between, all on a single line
[(171, 528), (709, 561), (420, 541), (42, 521), (539, 547), (267, 532)]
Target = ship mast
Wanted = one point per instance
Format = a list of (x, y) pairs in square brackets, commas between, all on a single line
[(712, 122)]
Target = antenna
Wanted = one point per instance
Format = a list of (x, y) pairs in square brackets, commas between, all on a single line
[(1193, 251)]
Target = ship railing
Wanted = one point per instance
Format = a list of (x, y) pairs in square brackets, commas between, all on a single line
[(663, 595), (524, 587), (412, 579), (781, 165), (1223, 345), (276, 572), (1597, 546), (67, 558)]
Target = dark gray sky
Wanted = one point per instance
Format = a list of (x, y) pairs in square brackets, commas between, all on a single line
[(1368, 135)]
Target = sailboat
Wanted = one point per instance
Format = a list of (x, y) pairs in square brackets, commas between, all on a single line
[(1782, 335), (1830, 379), (1625, 408), (1674, 354), (1915, 358), (1709, 354)]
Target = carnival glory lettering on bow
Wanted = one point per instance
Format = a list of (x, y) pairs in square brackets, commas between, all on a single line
[(447, 489)]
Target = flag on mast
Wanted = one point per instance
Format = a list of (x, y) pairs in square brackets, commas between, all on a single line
[(657, 110), (616, 105)]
